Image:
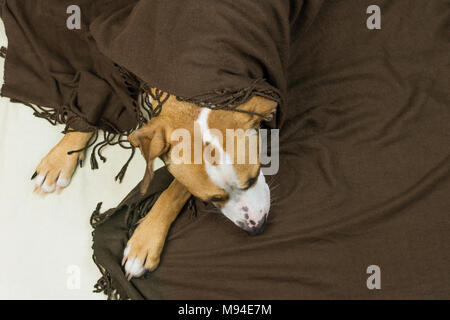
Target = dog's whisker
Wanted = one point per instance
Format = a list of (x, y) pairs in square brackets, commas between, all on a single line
[(272, 181), (274, 199), (274, 188), (274, 184)]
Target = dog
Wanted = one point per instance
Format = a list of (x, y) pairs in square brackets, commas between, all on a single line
[(238, 190)]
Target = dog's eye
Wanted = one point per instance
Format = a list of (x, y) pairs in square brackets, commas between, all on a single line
[(250, 183), (218, 199)]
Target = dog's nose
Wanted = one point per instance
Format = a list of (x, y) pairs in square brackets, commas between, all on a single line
[(258, 228)]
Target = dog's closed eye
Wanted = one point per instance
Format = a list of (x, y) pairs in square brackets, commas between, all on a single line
[(218, 199), (250, 183)]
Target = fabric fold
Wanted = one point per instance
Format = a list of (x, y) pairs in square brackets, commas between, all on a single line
[(364, 122)]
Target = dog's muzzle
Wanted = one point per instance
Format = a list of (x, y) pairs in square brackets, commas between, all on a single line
[(249, 209), (254, 228)]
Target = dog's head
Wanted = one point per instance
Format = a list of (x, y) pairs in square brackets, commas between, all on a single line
[(214, 154)]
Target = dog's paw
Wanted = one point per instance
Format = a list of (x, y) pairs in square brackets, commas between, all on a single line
[(56, 169), (142, 253)]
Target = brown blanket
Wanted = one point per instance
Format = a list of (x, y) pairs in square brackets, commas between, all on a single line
[(365, 125)]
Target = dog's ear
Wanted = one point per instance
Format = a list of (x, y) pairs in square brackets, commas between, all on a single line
[(152, 140)]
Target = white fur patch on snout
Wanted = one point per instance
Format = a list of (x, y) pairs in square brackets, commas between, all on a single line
[(249, 208)]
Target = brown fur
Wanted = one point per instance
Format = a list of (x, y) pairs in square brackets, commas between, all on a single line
[(190, 179), (58, 163), (154, 141)]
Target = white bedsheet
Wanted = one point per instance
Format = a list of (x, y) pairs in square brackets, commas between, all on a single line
[(45, 242)]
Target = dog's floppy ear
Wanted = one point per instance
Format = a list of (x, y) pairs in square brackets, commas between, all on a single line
[(152, 140)]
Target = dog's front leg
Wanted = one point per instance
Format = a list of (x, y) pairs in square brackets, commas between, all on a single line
[(144, 247)]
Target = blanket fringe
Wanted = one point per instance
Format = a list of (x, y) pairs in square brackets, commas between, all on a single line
[(105, 284), (147, 104), (61, 116), (111, 137), (3, 51), (230, 99), (133, 216)]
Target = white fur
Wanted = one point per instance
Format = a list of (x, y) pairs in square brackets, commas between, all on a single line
[(62, 182), (256, 199), (222, 174), (134, 268), (126, 252), (39, 180), (243, 206), (48, 189)]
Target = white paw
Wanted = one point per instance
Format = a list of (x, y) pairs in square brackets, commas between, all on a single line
[(134, 267), (138, 259), (46, 185)]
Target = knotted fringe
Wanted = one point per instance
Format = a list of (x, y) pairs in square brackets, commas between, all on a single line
[(3, 51), (133, 215), (230, 99), (105, 283), (158, 97), (63, 115), (111, 135), (135, 212), (147, 104)]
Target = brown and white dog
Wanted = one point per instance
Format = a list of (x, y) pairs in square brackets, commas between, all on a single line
[(238, 189)]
